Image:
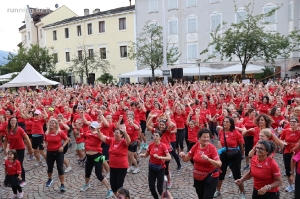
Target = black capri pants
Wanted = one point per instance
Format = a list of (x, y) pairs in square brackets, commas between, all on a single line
[(235, 166), (154, 176), (105, 149), (117, 177), (205, 190), (297, 184), (143, 126), (91, 161), (21, 154), (248, 144), (53, 156), (180, 135), (287, 163), (268, 195)]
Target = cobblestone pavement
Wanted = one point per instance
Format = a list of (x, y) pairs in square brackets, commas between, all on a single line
[(36, 177)]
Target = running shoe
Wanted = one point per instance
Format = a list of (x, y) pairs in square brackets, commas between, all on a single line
[(136, 170), (62, 188), (290, 188), (146, 146), (169, 185), (109, 194), (30, 158), (22, 184), (243, 196), (20, 195), (85, 187), (179, 168), (217, 194), (131, 168), (49, 183), (246, 167), (142, 145), (40, 163), (68, 169), (13, 196)]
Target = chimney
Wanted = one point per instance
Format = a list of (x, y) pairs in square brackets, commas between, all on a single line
[(96, 10), (130, 2), (86, 12)]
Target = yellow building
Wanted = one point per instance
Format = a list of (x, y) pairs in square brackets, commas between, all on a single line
[(35, 18), (106, 34)]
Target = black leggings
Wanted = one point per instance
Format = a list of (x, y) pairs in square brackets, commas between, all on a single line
[(268, 195), (90, 163), (248, 144), (190, 146), (57, 156), (21, 154), (235, 166), (152, 177), (167, 163), (297, 185), (16, 188), (205, 190), (186, 135), (213, 128), (117, 176), (143, 126), (179, 138), (174, 154), (287, 163)]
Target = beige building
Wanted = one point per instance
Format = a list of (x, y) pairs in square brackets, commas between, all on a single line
[(105, 33), (35, 18)]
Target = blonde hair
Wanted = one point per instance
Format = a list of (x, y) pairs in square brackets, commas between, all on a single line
[(266, 132), (57, 129)]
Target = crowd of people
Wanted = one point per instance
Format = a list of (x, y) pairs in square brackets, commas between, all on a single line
[(221, 125)]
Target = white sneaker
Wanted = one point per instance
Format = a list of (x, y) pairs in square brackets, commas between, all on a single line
[(68, 169), (243, 196), (230, 175), (136, 170), (290, 188), (107, 176), (131, 168)]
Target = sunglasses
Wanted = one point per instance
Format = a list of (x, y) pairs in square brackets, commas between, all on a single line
[(259, 149)]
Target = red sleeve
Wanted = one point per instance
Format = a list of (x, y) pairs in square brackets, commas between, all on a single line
[(275, 169), (282, 136), (214, 153), (63, 135), (166, 151), (22, 132), (19, 168), (239, 137), (108, 140)]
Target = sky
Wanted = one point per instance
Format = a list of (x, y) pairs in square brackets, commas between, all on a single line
[(11, 21)]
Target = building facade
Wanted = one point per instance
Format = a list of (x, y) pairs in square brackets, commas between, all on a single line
[(189, 23), (107, 34)]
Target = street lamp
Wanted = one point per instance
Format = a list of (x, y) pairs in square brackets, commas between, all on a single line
[(198, 62)]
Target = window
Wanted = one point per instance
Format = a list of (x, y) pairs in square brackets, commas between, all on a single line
[(67, 56), (172, 4), (103, 53), (291, 11), (89, 27), (28, 35), (101, 26), (214, 1), (215, 20), (123, 51), (54, 35), (240, 15), (122, 23), (80, 55), (25, 38), (91, 54), (192, 25), (192, 51), (66, 32), (78, 30), (272, 18), (55, 58), (153, 6), (173, 27), (41, 33), (191, 3)]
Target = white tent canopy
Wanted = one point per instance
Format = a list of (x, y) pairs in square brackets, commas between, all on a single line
[(147, 72), (29, 77), (194, 71), (237, 69)]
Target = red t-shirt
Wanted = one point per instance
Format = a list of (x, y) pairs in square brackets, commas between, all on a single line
[(233, 138), (3, 126), (79, 138), (264, 108), (37, 126), (199, 163), (179, 120), (276, 120), (13, 168), (108, 130), (92, 142), (249, 123), (160, 149), (117, 153), (131, 131), (192, 134), (28, 125), (264, 172), (291, 138), (16, 139), (55, 140)]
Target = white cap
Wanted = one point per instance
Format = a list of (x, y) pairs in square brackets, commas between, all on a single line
[(95, 125)]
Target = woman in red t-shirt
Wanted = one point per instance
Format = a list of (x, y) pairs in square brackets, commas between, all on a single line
[(159, 153), (206, 164), (53, 141), (179, 118), (265, 172), (3, 126), (16, 137), (264, 107), (118, 161)]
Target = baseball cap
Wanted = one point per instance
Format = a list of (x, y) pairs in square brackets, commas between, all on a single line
[(37, 112), (51, 109), (95, 125)]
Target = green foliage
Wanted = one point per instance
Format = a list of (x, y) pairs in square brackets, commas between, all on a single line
[(148, 48), (267, 72), (105, 78), (85, 64), (248, 40), (40, 58)]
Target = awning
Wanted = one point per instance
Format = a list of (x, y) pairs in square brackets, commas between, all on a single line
[(147, 72), (237, 69), (194, 71)]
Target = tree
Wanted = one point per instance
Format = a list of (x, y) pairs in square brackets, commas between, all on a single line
[(148, 49), (248, 40), (105, 78), (40, 59), (89, 62), (266, 72)]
